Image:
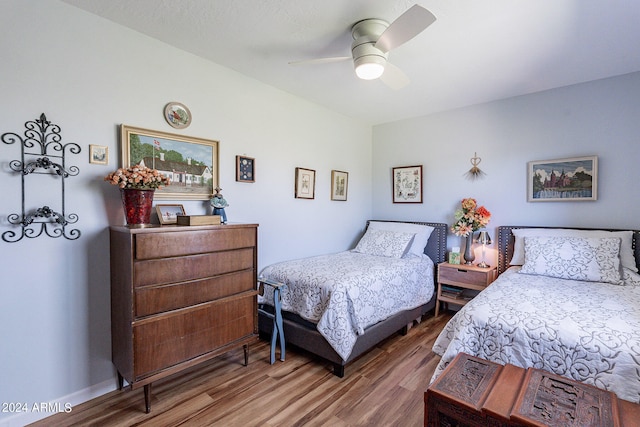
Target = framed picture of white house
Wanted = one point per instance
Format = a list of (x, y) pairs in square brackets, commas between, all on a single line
[(190, 163)]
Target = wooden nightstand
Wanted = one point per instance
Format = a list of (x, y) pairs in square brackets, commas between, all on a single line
[(461, 277)]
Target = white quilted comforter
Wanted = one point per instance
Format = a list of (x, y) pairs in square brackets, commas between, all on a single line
[(346, 292), (586, 331)]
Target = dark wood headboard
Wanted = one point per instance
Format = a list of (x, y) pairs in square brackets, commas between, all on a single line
[(506, 241), (436, 248)]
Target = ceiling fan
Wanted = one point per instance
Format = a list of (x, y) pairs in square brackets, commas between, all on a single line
[(372, 41)]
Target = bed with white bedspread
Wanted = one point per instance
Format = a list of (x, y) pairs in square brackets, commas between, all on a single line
[(572, 308), (354, 299), (346, 292)]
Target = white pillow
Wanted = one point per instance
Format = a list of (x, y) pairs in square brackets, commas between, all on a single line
[(422, 233), (385, 243), (627, 257), (577, 258), (630, 278)]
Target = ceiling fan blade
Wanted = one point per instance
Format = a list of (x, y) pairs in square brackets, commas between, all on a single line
[(407, 26), (320, 60), (394, 77)]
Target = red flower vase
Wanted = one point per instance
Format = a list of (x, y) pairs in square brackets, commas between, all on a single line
[(137, 206)]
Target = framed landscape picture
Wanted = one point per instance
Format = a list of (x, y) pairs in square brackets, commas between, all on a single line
[(190, 163), (305, 183), (339, 185), (563, 180), (407, 184)]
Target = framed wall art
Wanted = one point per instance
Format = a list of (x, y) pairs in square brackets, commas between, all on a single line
[(177, 115), (339, 185), (98, 154), (305, 183), (407, 184), (245, 169), (563, 180), (190, 163), (168, 214)]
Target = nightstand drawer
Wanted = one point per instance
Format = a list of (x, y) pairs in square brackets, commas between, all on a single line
[(463, 275)]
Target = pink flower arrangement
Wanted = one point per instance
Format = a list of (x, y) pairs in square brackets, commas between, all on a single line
[(139, 177), (470, 218)]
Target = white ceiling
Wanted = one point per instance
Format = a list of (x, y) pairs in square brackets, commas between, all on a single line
[(476, 51)]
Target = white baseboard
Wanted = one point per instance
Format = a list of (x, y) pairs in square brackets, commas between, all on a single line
[(32, 412)]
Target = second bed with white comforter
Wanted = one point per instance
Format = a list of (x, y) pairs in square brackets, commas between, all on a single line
[(344, 293), (586, 331)]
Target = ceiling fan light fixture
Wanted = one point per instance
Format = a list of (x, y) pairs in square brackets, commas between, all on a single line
[(370, 67), (368, 61)]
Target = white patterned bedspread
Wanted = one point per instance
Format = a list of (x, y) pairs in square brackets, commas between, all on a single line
[(346, 292), (586, 331)]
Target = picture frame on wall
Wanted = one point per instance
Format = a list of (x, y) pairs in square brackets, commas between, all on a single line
[(305, 184), (98, 154), (339, 185), (168, 214), (190, 163), (407, 184), (563, 180), (245, 169)]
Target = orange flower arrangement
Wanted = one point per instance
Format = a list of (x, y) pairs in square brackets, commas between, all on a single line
[(139, 177), (470, 218)]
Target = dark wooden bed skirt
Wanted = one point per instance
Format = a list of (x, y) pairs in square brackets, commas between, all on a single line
[(303, 334)]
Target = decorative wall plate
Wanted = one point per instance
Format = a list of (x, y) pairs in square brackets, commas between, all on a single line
[(177, 115)]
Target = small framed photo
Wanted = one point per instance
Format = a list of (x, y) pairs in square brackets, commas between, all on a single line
[(245, 169), (454, 257), (177, 115), (339, 184), (305, 183), (168, 214), (563, 180), (98, 154), (407, 184)]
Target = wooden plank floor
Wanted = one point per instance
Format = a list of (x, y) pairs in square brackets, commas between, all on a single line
[(385, 387)]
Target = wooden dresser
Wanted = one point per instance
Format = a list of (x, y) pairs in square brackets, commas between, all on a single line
[(180, 296)]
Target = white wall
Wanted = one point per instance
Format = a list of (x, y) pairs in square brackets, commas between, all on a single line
[(89, 76), (596, 118)]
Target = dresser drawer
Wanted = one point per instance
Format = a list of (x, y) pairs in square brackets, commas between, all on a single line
[(463, 275), (156, 299), (182, 269), (159, 245), (176, 337)]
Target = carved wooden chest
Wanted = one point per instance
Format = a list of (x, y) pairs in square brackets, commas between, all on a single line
[(474, 392)]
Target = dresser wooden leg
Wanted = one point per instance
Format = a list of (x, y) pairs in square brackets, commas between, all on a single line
[(147, 397), (120, 381), (246, 354)]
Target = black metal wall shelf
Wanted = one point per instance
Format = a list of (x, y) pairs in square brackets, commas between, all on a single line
[(42, 152)]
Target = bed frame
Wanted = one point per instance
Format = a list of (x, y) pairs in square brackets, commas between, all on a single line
[(303, 334), (506, 240)]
